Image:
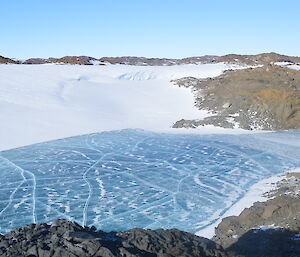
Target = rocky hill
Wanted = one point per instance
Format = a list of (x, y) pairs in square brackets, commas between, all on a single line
[(270, 228), (81, 60), (128, 60), (143, 61), (264, 58), (7, 60), (265, 98)]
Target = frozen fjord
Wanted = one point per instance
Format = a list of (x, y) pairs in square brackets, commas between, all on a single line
[(133, 178)]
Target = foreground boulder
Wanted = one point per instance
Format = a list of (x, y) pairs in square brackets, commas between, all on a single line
[(64, 238)]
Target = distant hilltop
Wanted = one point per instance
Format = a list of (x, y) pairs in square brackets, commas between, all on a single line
[(264, 58), (7, 60)]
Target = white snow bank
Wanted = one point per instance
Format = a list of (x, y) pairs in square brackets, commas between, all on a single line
[(174, 72), (254, 194), (283, 63), (289, 65), (265, 228), (294, 67), (44, 102)]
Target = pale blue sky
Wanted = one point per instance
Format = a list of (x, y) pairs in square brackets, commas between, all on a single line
[(151, 28)]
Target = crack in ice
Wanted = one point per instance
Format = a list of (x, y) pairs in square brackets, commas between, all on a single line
[(85, 209), (34, 219), (11, 197), (134, 178)]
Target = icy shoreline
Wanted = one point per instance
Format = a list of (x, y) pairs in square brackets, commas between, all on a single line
[(256, 193), (183, 181)]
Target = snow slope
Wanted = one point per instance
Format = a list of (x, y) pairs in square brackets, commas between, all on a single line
[(45, 102)]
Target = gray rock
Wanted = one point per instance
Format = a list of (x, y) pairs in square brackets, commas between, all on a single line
[(64, 238)]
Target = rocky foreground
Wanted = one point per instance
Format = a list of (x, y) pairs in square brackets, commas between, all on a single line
[(270, 228), (64, 238), (267, 229)]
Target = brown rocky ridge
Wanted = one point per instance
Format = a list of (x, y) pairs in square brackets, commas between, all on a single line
[(264, 58), (265, 98), (127, 60), (143, 61), (81, 60), (7, 60)]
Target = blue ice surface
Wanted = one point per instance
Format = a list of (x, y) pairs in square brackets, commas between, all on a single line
[(118, 180)]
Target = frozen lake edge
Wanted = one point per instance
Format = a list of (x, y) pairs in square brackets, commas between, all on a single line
[(196, 177)]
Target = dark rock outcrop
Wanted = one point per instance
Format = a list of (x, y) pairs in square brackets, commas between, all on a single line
[(64, 238)]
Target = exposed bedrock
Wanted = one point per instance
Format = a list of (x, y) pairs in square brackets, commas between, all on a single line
[(269, 229), (7, 60), (64, 238), (266, 98)]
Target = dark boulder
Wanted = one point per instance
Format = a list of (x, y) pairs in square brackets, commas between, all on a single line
[(65, 238)]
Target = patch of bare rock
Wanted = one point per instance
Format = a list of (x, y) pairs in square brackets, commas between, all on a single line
[(266, 98), (269, 229), (5, 60), (264, 58), (80, 60)]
